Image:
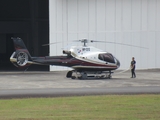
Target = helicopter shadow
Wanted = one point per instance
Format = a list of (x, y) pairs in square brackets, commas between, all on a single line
[(105, 79)]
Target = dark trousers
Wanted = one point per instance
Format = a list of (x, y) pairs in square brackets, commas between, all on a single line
[(133, 72)]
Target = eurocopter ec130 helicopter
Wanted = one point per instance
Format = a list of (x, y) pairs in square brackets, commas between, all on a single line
[(86, 61)]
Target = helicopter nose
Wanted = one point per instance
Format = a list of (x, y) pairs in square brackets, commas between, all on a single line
[(117, 63)]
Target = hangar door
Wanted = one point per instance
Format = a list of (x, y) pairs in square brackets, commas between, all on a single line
[(27, 19)]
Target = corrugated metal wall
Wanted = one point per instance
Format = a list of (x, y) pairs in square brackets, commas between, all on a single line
[(135, 22)]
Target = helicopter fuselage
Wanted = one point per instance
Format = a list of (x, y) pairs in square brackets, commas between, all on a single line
[(82, 59), (79, 58)]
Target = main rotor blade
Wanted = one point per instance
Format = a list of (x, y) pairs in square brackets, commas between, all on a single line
[(81, 40), (119, 43), (127, 45), (97, 41), (50, 43), (76, 40), (67, 46)]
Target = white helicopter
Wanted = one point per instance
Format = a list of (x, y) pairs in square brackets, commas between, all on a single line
[(86, 61)]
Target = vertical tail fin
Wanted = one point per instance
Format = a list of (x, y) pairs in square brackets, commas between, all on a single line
[(18, 43), (21, 57)]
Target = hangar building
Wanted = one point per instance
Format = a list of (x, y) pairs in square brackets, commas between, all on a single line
[(133, 22)]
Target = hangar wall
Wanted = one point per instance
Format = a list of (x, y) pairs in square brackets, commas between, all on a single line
[(134, 22)]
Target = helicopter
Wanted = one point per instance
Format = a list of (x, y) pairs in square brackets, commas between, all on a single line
[(86, 61)]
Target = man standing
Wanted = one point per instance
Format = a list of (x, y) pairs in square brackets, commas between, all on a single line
[(133, 65)]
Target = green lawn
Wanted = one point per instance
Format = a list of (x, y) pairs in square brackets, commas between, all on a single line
[(110, 107)]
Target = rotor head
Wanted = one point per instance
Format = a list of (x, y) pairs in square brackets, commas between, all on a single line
[(84, 41)]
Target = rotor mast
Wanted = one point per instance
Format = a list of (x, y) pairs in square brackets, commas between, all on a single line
[(84, 41)]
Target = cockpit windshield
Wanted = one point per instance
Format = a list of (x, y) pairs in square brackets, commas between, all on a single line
[(107, 57)]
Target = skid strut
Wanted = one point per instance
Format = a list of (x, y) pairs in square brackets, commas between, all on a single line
[(89, 74)]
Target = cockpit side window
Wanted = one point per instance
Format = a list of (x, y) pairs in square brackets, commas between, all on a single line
[(100, 56)]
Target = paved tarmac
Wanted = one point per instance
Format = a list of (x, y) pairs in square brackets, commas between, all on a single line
[(53, 84)]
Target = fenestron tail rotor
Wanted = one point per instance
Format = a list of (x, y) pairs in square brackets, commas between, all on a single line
[(21, 57)]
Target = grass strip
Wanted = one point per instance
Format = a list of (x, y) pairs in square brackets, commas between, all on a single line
[(110, 107)]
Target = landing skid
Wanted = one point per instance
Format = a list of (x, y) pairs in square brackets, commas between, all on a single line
[(89, 75)]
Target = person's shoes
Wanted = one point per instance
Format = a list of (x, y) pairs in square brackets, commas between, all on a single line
[(131, 77)]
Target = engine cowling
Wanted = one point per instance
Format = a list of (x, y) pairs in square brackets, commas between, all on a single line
[(67, 52)]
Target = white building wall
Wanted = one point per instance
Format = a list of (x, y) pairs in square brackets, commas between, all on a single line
[(134, 22)]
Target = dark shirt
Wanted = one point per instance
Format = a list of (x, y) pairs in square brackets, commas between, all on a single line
[(133, 64)]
